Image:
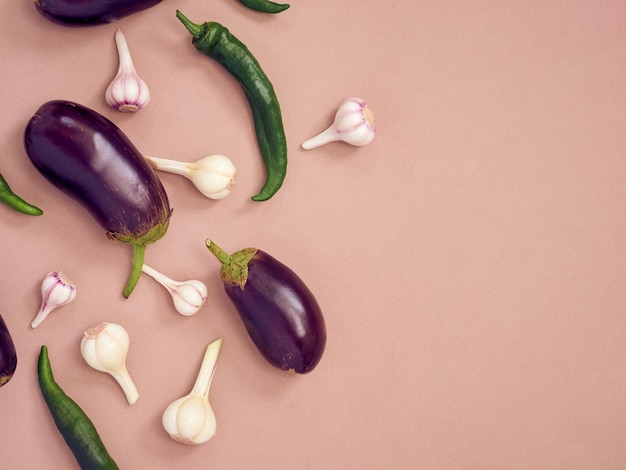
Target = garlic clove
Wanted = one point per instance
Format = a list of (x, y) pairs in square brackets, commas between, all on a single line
[(188, 296), (213, 175), (127, 92), (190, 419), (104, 347), (353, 124), (57, 290)]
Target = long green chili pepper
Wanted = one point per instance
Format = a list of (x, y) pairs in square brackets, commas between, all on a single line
[(77, 429), (265, 6), (15, 202), (217, 42)]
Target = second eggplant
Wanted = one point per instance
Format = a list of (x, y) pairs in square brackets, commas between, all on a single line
[(278, 310), (89, 158)]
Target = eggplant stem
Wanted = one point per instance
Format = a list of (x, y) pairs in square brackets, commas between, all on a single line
[(138, 255), (220, 254)]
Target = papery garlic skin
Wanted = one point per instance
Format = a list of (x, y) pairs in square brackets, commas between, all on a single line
[(213, 175), (104, 347), (188, 296), (56, 290), (190, 419), (353, 124), (127, 92)]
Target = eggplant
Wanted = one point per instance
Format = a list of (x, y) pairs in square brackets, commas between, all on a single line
[(90, 12), (280, 313), (8, 355), (90, 159)]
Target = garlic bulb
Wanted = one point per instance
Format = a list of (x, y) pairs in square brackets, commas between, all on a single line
[(56, 290), (104, 347), (189, 296), (127, 92), (213, 176), (190, 420), (353, 124)]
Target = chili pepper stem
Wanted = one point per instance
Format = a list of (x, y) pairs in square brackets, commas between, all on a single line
[(138, 256), (194, 29)]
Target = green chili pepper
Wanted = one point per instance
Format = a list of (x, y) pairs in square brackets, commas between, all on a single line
[(15, 202), (265, 6), (77, 429), (216, 41)]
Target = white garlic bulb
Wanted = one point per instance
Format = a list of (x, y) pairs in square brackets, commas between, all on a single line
[(56, 290), (104, 347), (213, 176), (188, 296), (353, 124), (127, 92), (190, 419)]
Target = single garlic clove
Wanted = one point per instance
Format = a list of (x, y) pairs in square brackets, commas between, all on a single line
[(190, 419), (213, 175), (353, 124), (56, 290), (104, 347), (188, 296), (127, 92)]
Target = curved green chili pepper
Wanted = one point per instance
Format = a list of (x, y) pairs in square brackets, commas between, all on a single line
[(77, 429), (215, 41), (15, 202), (265, 6)]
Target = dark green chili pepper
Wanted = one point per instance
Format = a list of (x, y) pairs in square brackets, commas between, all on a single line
[(77, 429), (216, 41), (265, 6), (15, 202)]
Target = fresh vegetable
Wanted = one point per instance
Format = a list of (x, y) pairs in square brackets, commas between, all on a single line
[(8, 197), (353, 124), (278, 310), (104, 347), (89, 158), (75, 426), (217, 42), (190, 419), (188, 296), (90, 12), (127, 92), (265, 6), (8, 354), (213, 176), (57, 290)]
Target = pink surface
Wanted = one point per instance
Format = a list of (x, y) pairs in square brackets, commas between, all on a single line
[(470, 262)]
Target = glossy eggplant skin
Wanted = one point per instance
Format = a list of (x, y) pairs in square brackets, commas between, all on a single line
[(89, 158), (90, 12), (280, 313), (8, 355)]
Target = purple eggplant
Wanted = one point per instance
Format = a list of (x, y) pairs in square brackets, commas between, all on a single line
[(90, 12), (89, 158), (278, 310), (8, 355)]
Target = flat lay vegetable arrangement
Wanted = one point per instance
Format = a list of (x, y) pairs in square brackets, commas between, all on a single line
[(90, 159)]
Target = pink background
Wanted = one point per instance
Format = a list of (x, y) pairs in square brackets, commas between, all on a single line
[(470, 262)]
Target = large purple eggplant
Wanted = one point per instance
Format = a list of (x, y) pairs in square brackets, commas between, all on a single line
[(278, 310), (8, 355), (89, 158), (90, 12)]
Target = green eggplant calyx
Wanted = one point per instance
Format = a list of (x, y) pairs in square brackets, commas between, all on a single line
[(234, 270)]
